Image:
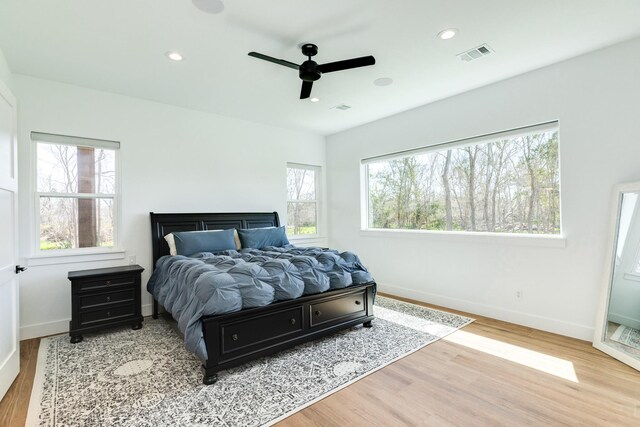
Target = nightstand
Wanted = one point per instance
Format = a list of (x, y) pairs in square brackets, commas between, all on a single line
[(103, 298)]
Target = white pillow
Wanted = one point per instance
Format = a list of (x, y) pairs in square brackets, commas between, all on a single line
[(172, 242), (237, 239)]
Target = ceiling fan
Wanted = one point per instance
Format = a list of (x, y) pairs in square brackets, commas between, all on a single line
[(310, 71)]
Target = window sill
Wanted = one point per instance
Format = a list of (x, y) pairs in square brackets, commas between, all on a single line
[(470, 237), (74, 256)]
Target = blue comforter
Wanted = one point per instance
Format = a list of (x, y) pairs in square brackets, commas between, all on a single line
[(207, 284)]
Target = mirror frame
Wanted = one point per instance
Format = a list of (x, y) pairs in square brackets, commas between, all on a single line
[(603, 308)]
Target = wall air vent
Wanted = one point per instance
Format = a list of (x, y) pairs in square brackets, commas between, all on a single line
[(475, 53), (342, 107)]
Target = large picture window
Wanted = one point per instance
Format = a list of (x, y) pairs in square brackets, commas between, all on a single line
[(76, 192), (508, 183), (302, 200)]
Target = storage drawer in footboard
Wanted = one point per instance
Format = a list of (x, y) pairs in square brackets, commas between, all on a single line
[(259, 330), (335, 310)]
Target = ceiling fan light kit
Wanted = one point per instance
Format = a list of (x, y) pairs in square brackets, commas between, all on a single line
[(310, 71)]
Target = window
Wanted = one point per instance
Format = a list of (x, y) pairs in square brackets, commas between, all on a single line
[(302, 200), (76, 192), (507, 182)]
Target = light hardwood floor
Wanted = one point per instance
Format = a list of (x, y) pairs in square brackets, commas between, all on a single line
[(489, 373), (14, 405)]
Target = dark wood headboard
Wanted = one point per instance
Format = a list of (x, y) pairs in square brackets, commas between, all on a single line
[(165, 223)]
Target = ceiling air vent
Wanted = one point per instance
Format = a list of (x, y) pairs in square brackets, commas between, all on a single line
[(342, 107), (475, 53)]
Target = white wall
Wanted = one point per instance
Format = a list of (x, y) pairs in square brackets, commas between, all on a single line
[(172, 160), (596, 100), (5, 71)]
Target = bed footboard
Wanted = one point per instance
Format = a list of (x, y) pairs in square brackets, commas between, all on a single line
[(236, 338)]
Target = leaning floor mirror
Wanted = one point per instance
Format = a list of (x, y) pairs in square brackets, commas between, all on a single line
[(617, 331)]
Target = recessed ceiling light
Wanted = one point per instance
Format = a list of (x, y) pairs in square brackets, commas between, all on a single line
[(447, 34), (209, 6), (174, 56), (383, 81), (314, 99)]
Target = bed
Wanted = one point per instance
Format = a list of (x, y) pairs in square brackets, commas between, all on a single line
[(232, 339)]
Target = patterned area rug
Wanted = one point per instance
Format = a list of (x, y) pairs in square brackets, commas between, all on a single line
[(627, 336), (147, 378)]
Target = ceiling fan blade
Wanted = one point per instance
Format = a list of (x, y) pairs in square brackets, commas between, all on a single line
[(305, 92), (274, 60), (346, 64)]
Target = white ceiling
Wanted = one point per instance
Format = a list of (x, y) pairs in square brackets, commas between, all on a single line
[(118, 46)]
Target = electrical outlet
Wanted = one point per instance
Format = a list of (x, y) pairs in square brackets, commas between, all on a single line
[(519, 294), (132, 260)]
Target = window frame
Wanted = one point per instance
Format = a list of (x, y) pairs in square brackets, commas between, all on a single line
[(317, 186), (78, 254), (550, 240)]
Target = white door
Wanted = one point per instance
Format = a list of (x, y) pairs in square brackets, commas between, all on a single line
[(9, 345)]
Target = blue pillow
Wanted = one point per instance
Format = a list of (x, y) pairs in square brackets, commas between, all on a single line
[(191, 242), (261, 237)]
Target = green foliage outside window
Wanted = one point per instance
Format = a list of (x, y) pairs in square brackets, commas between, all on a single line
[(510, 185)]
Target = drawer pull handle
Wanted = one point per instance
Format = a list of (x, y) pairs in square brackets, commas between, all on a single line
[(108, 314), (234, 337), (108, 283), (292, 321), (357, 302), (318, 313), (108, 299)]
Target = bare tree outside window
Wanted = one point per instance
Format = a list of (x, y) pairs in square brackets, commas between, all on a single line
[(302, 204), (510, 185), (76, 188)]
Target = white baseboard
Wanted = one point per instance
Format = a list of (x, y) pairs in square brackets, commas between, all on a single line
[(147, 309), (58, 326), (561, 327), (624, 320), (548, 324), (44, 329)]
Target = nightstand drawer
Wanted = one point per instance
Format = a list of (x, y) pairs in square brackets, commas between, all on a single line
[(91, 299), (104, 283), (106, 314)]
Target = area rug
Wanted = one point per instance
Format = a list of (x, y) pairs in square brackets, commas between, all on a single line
[(147, 378), (627, 336)]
